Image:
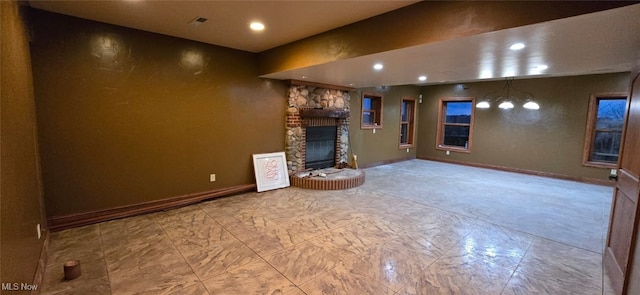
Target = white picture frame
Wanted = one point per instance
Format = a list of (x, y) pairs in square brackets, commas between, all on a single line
[(270, 171)]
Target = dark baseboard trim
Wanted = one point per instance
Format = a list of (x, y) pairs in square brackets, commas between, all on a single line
[(524, 171), (385, 162), (58, 223), (42, 264)]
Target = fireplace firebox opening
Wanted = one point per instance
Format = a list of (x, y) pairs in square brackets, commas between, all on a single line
[(320, 147)]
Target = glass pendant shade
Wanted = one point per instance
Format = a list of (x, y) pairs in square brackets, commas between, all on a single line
[(532, 105), (506, 105), (483, 105)]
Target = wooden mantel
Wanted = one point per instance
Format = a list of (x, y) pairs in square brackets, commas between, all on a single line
[(323, 113)]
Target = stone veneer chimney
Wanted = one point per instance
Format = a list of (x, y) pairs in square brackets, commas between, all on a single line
[(315, 106)]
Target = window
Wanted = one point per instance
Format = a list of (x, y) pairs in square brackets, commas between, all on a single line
[(407, 119), (455, 124), (371, 111), (604, 130)]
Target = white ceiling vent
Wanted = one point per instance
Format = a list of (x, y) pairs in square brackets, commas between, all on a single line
[(198, 21)]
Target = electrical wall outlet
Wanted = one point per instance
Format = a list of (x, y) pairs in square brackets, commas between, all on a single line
[(614, 172), (39, 232), (212, 177), (374, 130), (407, 150), (448, 153)]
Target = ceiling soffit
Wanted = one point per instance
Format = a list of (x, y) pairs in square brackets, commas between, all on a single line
[(418, 24)]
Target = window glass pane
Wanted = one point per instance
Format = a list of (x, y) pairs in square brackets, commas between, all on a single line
[(366, 104), (606, 146), (404, 135), (458, 112), (610, 114), (367, 118), (404, 111), (456, 135)]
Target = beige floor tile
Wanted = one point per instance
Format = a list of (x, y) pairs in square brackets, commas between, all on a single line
[(74, 244), (553, 268), (153, 267), (189, 222), (442, 229), (492, 244), (465, 277), (195, 289), (481, 263), (227, 207), (393, 268), (377, 228), (261, 234), (209, 259), (295, 291), (257, 277), (129, 232), (302, 262), (342, 242), (208, 248), (305, 226), (341, 280)]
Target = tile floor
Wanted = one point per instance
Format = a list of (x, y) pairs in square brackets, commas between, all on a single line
[(415, 227)]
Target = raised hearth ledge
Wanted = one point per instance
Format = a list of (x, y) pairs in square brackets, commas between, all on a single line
[(336, 179)]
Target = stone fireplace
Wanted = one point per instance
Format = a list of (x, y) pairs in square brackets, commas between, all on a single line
[(317, 139), (310, 107)]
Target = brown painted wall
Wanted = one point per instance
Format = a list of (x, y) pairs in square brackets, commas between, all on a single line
[(421, 23), (127, 116), (382, 146), (548, 140), (21, 191)]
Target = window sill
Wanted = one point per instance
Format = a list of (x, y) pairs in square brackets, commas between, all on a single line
[(370, 126), (406, 146), (453, 149), (600, 165)]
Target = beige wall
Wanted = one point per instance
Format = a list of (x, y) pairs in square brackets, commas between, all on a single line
[(382, 146), (548, 140), (127, 116), (21, 191)]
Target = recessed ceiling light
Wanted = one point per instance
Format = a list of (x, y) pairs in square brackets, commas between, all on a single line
[(256, 26), (378, 67), (516, 46), (422, 78)]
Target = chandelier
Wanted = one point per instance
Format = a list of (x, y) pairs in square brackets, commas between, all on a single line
[(507, 96)]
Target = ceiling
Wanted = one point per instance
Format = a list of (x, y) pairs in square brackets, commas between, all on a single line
[(601, 42), (227, 21)]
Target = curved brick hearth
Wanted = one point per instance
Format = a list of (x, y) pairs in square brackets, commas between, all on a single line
[(336, 179)]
